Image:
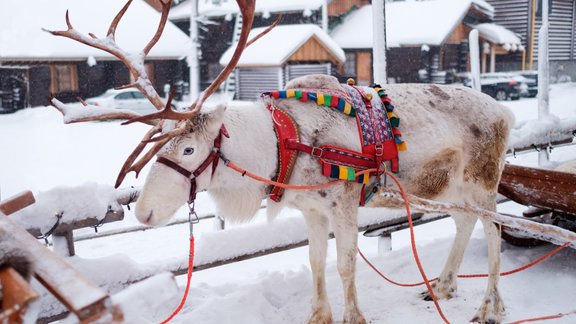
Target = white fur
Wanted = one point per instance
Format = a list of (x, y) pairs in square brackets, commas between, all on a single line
[(433, 118)]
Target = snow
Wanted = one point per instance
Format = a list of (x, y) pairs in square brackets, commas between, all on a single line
[(25, 19), (436, 20), (500, 35), (41, 154), (211, 8), (269, 52)]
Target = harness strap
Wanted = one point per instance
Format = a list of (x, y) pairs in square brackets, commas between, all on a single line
[(212, 159), (356, 159)]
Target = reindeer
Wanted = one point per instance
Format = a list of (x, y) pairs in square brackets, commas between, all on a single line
[(457, 140)]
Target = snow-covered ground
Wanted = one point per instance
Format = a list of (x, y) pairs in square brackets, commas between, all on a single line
[(39, 153)]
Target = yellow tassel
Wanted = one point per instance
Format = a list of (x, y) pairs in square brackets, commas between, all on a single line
[(289, 93), (320, 98), (343, 175), (402, 146), (347, 108)]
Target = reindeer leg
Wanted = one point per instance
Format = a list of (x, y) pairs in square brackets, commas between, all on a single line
[(318, 242), (345, 227), (492, 306), (446, 285)]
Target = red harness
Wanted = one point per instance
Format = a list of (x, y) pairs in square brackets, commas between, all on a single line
[(371, 157), (212, 159)]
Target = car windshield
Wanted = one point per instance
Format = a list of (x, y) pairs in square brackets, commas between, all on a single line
[(109, 93)]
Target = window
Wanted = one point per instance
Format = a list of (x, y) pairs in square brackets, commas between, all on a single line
[(124, 96), (138, 95), (350, 65), (63, 77)]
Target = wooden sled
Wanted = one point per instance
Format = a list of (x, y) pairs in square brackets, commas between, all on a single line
[(550, 194), (95, 303)]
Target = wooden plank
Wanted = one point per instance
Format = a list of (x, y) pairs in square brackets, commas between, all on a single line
[(64, 227), (547, 189), (77, 293), (17, 294), (14, 204)]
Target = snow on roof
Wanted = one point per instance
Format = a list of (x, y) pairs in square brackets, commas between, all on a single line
[(485, 7), (407, 23), (211, 8), (280, 43), (21, 34), (500, 35)]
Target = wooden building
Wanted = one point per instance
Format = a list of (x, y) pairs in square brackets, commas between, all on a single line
[(35, 64), (521, 17), (269, 65), (427, 41)]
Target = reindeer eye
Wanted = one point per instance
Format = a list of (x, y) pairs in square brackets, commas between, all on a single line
[(188, 151)]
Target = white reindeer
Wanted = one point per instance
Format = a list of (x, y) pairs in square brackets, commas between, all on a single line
[(457, 139)]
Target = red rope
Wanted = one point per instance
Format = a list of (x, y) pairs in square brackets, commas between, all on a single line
[(415, 250), (468, 276), (543, 318), (190, 269), (242, 171)]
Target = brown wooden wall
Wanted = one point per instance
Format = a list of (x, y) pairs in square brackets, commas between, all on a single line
[(313, 51), (460, 34), (339, 7), (364, 67)]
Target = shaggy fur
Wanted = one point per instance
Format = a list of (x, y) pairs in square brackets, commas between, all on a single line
[(456, 143)]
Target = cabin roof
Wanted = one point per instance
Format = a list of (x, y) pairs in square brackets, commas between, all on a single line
[(284, 41), (500, 35), (408, 23), (22, 37), (210, 8)]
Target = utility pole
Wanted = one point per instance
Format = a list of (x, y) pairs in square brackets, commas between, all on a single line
[(543, 77), (379, 37), (474, 59), (193, 55)]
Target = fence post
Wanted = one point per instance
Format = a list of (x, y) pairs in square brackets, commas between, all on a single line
[(384, 243)]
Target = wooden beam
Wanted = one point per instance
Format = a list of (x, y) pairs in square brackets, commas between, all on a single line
[(86, 300), (14, 204), (17, 295)]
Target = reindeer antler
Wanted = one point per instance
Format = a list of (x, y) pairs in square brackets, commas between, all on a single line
[(243, 42), (143, 83), (108, 44)]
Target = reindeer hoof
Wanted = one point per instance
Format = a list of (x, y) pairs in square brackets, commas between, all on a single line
[(491, 310), (354, 317), (320, 317), (477, 320)]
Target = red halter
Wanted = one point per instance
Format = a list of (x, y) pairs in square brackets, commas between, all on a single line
[(211, 159)]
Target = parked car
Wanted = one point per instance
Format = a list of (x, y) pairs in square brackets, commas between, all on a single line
[(531, 81), (130, 99), (502, 86)]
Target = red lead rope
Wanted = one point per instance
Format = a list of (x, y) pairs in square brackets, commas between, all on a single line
[(190, 269)]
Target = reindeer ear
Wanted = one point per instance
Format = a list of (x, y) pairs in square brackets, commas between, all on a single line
[(211, 120)]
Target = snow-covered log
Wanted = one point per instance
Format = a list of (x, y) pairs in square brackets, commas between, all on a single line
[(540, 231)]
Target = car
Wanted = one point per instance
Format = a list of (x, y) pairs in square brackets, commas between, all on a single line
[(531, 81), (130, 99), (501, 86)]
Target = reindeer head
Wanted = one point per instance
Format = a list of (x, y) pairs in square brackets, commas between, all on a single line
[(177, 173), (185, 139)]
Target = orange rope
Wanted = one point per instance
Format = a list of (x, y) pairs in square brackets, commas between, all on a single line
[(242, 171), (412, 241), (468, 276), (189, 279), (415, 250), (543, 318)]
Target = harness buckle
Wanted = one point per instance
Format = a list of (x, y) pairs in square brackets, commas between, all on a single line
[(316, 152), (379, 150)]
